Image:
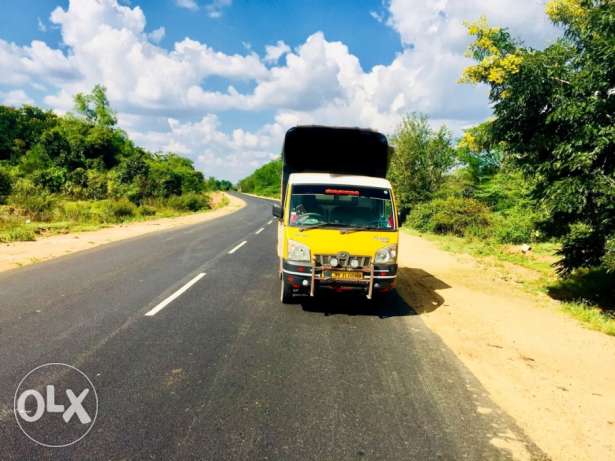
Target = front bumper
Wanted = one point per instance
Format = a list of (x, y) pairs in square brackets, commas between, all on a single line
[(307, 278)]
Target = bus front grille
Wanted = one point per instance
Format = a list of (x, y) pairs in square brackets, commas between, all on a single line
[(343, 260)]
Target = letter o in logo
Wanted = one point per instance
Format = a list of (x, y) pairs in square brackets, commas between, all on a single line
[(40, 405)]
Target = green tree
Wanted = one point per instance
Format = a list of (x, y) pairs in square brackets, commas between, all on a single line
[(421, 159), (265, 180), (86, 157), (103, 147), (554, 113), (21, 129), (133, 167), (57, 147), (52, 178), (95, 107), (217, 184), (8, 131), (174, 175), (224, 184), (211, 184), (481, 154), (35, 159)]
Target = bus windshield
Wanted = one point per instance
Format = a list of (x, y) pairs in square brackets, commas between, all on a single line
[(341, 206)]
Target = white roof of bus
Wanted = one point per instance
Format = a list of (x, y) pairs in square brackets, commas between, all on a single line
[(342, 180)]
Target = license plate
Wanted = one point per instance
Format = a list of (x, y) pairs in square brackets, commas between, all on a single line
[(347, 275)]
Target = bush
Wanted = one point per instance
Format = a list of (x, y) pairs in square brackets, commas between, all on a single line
[(189, 202), (453, 215), (578, 247), (121, 209), (145, 210), (80, 212), (504, 190), (608, 260), (19, 234), (52, 179), (271, 191), (33, 200), (114, 210), (6, 185), (97, 185), (516, 225), (456, 184)]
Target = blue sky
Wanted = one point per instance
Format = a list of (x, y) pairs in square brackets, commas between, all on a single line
[(243, 23), (221, 80)]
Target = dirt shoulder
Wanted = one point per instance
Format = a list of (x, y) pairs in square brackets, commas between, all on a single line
[(17, 254), (541, 367)]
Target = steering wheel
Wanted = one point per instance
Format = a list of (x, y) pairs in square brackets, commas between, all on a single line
[(309, 217)]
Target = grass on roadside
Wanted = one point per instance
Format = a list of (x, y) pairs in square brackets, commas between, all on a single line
[(588, 296), (274, 194), (63, 216), (594, 317)]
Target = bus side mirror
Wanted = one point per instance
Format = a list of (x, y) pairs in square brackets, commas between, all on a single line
[(276, 211)]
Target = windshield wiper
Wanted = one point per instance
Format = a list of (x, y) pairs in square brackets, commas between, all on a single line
[(344, 230), (316, 226), (348, 230)]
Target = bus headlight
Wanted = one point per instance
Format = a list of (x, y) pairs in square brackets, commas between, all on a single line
[(386, 255), (298, 251)]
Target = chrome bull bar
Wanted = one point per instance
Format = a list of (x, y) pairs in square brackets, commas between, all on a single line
[(370, 281)]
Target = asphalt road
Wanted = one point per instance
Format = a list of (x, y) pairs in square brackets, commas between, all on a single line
[(224, 370)]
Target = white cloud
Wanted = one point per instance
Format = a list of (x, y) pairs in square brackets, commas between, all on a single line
[(188, 4), (275, 52), (439, 23), (377, 16), (41, 25), (216, 8), (36, 63), (157, 35), (163, 98), (318, 73), (231, 155), (108, 44), (15, 98)]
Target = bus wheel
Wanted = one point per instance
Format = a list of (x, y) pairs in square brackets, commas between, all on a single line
[(286, 294)]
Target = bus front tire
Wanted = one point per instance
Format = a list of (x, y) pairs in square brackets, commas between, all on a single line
[(286, 293)]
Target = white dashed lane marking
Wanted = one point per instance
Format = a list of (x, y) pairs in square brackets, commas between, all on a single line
[(175, 295), (237, 247)]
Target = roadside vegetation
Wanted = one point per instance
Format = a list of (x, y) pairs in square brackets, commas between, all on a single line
[(79, 172), (265, 181), (534, 185)]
